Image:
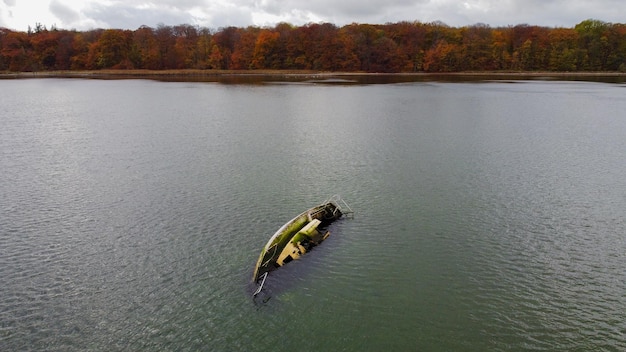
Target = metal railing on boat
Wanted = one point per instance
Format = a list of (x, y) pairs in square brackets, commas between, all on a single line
[(341, 205), (258, 290)]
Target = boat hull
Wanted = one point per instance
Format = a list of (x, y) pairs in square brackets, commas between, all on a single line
[(296, 237)]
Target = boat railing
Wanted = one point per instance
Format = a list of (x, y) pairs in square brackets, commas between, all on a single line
[(269, 259), (341, 205), (258, 290), (314, 214)]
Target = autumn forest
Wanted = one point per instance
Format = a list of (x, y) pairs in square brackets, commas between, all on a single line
[(591, 45)]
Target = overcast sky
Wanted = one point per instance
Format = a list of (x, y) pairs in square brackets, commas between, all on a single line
[(131, 14)]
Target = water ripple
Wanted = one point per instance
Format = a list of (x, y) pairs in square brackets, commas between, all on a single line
[(488, 216)]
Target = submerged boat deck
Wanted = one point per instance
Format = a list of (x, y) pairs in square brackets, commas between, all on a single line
[(298, 236)]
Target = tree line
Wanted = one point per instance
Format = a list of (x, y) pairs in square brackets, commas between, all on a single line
[(592, 45)]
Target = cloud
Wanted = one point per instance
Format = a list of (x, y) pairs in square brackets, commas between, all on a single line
[(226, 16), (63, 12), (338, 12), (6, 13), (131, 14), (125, 16)]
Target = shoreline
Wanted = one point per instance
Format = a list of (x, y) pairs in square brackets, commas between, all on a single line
[(316, 76)]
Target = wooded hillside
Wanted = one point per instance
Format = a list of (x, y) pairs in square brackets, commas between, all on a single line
[(592, 45)]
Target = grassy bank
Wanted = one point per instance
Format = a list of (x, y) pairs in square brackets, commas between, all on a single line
[(251, 76)]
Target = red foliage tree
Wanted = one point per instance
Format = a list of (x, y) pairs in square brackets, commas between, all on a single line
[(393, 47)]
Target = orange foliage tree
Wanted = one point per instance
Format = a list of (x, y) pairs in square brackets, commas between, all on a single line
[(591, 45)]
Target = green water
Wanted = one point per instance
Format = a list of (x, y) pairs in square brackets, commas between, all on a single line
[(489, 216)]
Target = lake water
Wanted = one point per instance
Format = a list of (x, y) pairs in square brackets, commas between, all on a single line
[(488, 215)]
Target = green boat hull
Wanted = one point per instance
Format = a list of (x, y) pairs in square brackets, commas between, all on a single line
[(295, 237)]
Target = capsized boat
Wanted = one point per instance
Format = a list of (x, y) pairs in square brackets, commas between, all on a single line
[(298, 236)]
